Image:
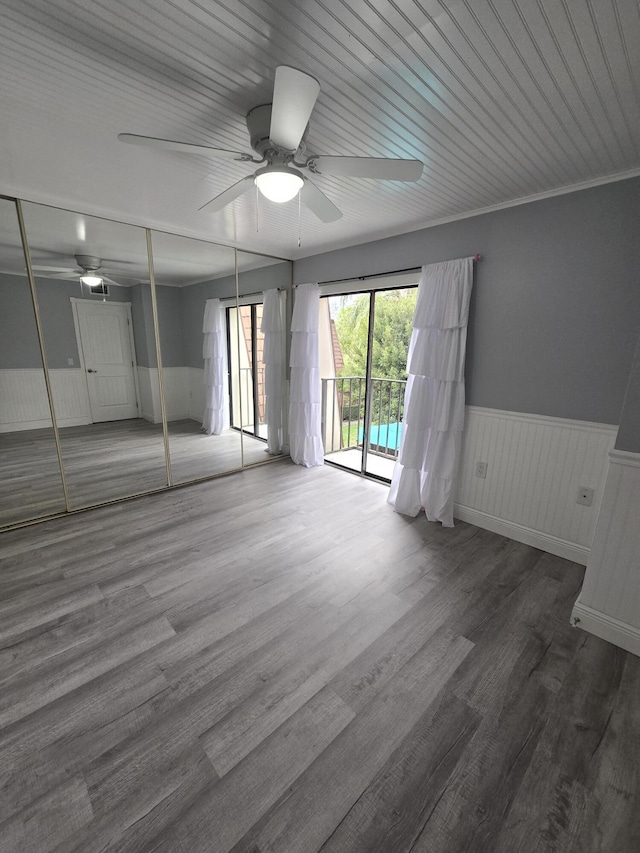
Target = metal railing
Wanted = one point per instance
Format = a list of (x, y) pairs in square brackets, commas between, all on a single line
[(251, 397), (344, 415)]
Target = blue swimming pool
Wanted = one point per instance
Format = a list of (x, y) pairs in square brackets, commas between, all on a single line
[(384, 435)]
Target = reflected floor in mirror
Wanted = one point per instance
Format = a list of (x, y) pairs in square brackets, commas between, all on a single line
[(107, 461), (195, 454), (30, 482)]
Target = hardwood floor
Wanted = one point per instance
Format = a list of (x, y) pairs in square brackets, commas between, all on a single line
[(278, 662), (108, 461)]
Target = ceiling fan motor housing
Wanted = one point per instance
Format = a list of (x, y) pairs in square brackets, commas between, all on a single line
[(259, 125), (89, 263)]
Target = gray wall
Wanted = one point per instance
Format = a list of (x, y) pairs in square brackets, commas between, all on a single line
[(142, 319), (555, 310), (629, 432), (18, 336), (193, 299), (180, 314), (169, 300), (56, 317)]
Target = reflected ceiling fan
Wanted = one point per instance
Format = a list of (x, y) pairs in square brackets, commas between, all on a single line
[(90, 272), (276, 131)]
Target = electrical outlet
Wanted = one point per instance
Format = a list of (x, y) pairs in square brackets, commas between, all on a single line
[(481, 469), (585, 496)]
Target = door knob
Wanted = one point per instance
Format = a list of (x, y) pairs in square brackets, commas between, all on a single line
[(89, 370)]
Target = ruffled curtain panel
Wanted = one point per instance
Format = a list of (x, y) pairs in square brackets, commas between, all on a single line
[(426, 470), (273, 358), (305, 437), (216, 372)]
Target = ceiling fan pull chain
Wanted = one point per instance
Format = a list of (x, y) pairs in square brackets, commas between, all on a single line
[(299, 221), (257, 210)]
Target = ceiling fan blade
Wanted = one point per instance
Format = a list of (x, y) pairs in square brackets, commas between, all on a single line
[(69, 275), (294, 96), (114, 263), (367, 167), (44, 268), (186, 147), (318, 203), (228, 195)]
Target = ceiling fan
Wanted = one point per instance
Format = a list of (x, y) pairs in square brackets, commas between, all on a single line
[(90, 271), (277, 133)]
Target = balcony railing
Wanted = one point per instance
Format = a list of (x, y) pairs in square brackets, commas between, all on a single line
[(249, 397), (343, 414)]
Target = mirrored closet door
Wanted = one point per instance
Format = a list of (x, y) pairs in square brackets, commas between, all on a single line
[(30, 479), (257, 275), (128, 362), (96, 310), (195, 282)]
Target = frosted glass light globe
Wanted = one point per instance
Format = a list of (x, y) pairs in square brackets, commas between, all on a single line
[(279, 185), (91, 280)]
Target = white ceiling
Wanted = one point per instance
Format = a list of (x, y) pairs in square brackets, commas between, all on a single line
[(501, 100)]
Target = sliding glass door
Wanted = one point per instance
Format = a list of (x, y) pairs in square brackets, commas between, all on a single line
[(364, 342), (247, 369)]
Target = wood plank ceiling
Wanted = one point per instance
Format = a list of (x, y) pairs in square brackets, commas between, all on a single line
[(502, 100)]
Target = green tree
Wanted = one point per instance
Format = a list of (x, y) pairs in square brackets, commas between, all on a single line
[(391, 334)]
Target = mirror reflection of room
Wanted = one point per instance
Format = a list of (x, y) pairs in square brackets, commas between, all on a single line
[(187, 273), (260, 353), (122, 353), (30, 479), (208, 353), (92, 283)]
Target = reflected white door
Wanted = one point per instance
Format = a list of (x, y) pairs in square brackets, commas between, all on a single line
[(108, 360)]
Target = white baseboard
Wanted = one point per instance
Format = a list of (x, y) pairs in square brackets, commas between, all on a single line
[(606, 627), (521, 533)]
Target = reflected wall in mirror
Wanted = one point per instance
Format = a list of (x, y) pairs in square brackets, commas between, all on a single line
[(189, 275), (30, 479), (94, 295), (258, 370)]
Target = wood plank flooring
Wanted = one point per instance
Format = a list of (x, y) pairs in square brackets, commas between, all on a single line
[(108, 461), (277, 662)]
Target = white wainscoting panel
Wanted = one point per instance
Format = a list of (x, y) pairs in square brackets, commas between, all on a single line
[(535, 467), (24, 404), (70, 397), (176, 392), (183, 393), (150, 408), (196, 393), (609, 603)]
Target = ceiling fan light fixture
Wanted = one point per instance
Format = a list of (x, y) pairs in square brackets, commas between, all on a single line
[(279, 184), (91, 280)]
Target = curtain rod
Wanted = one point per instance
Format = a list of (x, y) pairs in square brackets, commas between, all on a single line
[(380, 274), (255, 293)]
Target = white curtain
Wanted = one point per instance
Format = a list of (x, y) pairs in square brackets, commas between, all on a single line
[(216, 372), (305, 437), (425, 473), (273, 358)]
